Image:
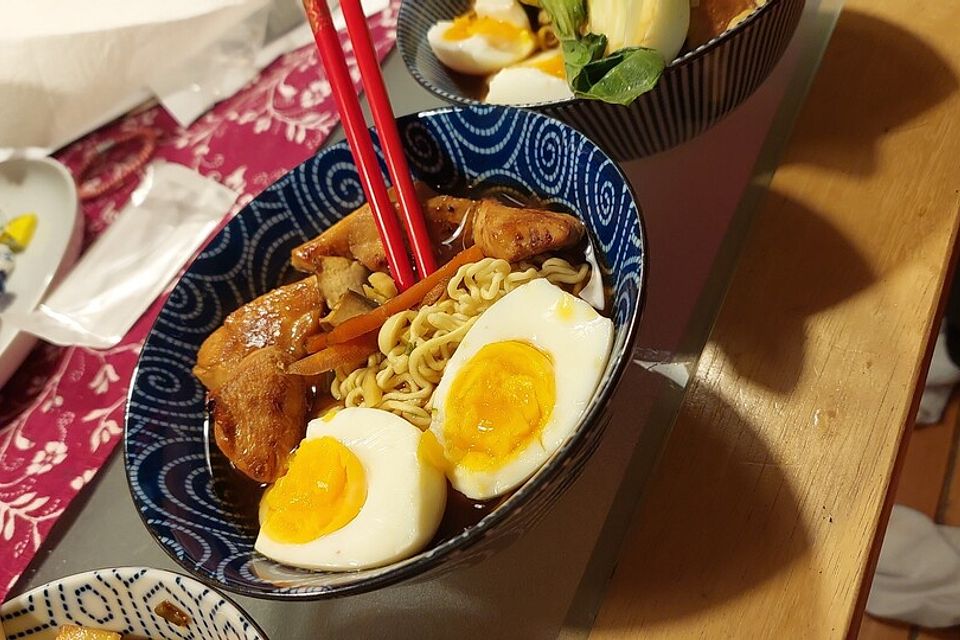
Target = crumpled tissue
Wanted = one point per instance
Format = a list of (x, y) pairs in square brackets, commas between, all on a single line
[(69, 67), (918, 573)]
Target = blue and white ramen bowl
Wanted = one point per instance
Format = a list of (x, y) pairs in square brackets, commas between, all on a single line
[(125, 600), (176, 474)]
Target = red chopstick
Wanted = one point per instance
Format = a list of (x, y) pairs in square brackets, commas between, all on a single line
[(361, 146), (389, 137)]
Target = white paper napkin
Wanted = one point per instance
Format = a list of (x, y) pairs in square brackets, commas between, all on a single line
[(68, 67), (224, 67)]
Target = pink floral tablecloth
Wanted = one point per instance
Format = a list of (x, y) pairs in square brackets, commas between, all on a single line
[(62, 414)]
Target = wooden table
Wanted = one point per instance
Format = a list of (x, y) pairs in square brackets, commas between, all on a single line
[(766, 512)]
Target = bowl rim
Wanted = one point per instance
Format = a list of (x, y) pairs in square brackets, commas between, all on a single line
[(158, 574), (429, 558), (684, 60)]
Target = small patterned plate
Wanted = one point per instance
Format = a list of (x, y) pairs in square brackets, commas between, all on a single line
[(124, 600)]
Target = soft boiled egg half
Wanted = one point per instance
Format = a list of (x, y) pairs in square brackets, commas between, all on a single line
[(516, 387), (542, 78), (360, 492), (495, 35)]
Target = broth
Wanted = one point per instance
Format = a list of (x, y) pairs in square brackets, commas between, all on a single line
[(240, 495), (460, 514)]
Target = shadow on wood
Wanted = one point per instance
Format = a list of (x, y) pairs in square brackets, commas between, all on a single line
[(720, 518), (889, 75), (806, 266)]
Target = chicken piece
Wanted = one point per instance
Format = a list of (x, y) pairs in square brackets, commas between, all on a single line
[(259, 414), (283, 317), (457, 223), (453, 224), (381, 287), (516, 234), (336, 276), (710, 18), (350, 305), (355, 236), (450, 224), (172, 613)]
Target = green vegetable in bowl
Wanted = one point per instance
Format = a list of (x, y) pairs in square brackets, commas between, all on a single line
[(616, 50)]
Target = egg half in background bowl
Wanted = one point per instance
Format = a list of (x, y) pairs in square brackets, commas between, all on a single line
[(698, 87), (183, 487)]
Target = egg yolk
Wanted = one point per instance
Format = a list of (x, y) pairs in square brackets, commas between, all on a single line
[(498, 32), (498, 404), (322, 491), (431, 452), (550, 65)]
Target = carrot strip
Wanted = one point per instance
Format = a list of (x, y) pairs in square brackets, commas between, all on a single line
[(347, 355), (373, 320), (315, 343)]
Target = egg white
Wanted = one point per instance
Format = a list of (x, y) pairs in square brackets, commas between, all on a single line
[(474, 55), (406, 496), (578, 341), (526, 84), (505, 10)]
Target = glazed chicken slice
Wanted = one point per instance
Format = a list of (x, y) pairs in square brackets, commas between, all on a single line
[(354, 237), (453, 223), (259, 414), (284, 317), (259, 411), (502, 231), (450, 224), (517, 234)]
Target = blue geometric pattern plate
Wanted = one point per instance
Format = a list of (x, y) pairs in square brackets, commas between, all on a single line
[(124, 600), (177, 477)]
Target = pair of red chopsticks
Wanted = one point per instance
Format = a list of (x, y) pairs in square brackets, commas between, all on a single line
[(361, 146)]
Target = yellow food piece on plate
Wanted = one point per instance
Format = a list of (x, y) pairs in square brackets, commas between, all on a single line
[(19, 231), (73, 632)]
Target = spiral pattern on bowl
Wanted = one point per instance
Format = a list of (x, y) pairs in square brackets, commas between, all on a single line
[(167, 443)]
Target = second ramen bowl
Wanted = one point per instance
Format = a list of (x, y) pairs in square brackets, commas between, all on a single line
[(696, 90), (179, 483)]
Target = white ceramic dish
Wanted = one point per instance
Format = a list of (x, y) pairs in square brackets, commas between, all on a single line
[(124, 600), (45, 187)]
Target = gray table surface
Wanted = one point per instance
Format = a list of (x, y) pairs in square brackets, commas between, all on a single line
[(697, 201)]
